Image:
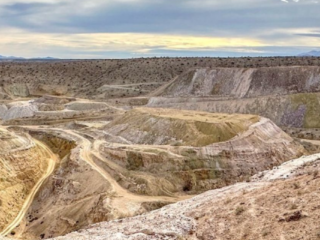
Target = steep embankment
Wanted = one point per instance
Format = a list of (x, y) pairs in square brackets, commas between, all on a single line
[(277, 204), (24, 166), (192, 151), (167, 126), (287, 95), (79, 192), (244, 82)]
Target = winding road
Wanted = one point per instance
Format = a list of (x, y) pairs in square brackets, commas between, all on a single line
[(87, 150), (51, 165)]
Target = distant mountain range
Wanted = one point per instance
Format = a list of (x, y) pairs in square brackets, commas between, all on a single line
[(310, 54), (21, 58)]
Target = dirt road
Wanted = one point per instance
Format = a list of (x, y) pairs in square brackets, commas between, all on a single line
[(89, 149), (51, 165), (315, 142)]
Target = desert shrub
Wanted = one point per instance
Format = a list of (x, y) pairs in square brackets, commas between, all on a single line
[(239, 210)]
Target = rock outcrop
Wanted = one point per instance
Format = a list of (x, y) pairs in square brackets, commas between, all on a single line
[(23, 164), (287, 95)]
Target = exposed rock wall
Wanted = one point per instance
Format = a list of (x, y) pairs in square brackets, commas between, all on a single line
[(71, 197), (244, 82), (297, 110), (22, 164), (287, 95)]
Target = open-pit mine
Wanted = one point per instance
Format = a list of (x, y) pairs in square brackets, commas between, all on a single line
[(160, 148)]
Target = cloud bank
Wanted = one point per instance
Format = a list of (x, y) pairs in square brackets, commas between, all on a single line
[(133, 28)]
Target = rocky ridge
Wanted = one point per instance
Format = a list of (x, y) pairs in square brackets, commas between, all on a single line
[(287, 95)]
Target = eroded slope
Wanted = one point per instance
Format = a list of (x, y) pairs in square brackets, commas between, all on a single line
[(143, 160), (287, 95), (24, 165), (281, 205), (79, 192), (181, 151), (244, 82), (166, 126)]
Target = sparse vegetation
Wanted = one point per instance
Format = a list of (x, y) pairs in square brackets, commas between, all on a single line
[(296, 185), (239, 210), (115, 160)]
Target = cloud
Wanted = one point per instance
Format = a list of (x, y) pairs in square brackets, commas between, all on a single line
[(314, 35), (212, 17), (301, 1), (140, 44), (176, 25)]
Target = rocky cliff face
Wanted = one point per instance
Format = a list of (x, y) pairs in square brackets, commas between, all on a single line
[(287, 95), (245, 82), (23, 163)]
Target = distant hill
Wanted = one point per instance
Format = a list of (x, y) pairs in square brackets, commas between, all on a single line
[(45, 58), (21, 58), (310, 54), (9, 58)]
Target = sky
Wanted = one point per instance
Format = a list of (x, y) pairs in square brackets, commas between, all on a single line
[(147, 28)]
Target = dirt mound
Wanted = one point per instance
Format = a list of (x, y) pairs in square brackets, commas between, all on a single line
[(87, 106), (165, 126), (79, 192), (208, 164), (50, 109), (103, 175), (20, 110)]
